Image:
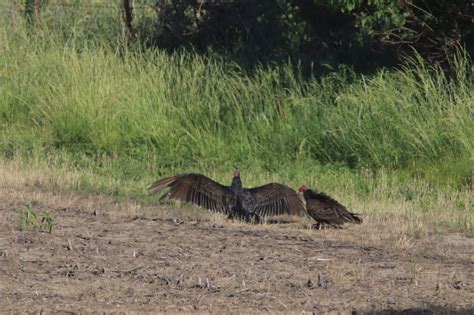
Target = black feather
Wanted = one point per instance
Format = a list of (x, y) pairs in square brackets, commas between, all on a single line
[(326, 210), (269, 199)]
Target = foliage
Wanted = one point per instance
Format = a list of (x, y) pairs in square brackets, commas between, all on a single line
[(433, 29), (318, 33), (318, 29), (32, 219)]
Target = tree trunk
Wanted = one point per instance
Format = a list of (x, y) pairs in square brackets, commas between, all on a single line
[(127, 17), (38, 13)]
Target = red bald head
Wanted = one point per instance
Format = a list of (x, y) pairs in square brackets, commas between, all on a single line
[(303, 188), (237, 173)]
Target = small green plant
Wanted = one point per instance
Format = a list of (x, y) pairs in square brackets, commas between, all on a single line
[(415, 232), (28, 219), (46, 222), (33, 220)]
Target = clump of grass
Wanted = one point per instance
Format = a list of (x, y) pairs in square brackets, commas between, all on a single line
[(396, 118), (28, 219), (36, 220)]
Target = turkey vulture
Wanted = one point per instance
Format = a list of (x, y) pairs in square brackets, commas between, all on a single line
[(325, 210), (234, 200)]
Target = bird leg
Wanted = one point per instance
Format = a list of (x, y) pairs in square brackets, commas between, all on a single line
[(248, 217), (237, 215), (256, 218), (233, 213), (321, 226), (318, 226), (252, 217)]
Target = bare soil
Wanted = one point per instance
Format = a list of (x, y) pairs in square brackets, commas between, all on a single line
[(110, 256)]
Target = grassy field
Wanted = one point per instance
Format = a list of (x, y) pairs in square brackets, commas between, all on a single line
[(85, 112)]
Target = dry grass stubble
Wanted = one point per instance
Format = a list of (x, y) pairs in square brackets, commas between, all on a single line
[(121, 255)]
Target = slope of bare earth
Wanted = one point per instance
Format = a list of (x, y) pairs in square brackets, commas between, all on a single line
[(104, 255)]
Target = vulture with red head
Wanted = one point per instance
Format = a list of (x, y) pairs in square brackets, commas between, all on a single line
[(248, 204), (325, 210)]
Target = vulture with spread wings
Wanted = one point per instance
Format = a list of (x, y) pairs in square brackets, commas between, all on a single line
[(234, 200), (325, 210)]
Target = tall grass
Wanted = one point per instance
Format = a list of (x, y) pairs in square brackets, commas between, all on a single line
[(130, 113), (184, 108)]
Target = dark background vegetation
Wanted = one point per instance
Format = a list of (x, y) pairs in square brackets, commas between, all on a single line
[(319, 33)]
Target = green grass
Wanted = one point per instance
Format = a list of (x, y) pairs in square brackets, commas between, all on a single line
[(35, 220), (74, 95)]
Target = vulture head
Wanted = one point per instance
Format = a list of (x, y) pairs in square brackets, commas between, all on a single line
[(237, 172), (236, 185), (302, 189)]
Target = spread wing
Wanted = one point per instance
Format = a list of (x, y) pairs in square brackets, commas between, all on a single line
[(194, 188), (276, 199), (323, 208)]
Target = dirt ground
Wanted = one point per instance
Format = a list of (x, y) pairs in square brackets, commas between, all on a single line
[(109, 256)]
